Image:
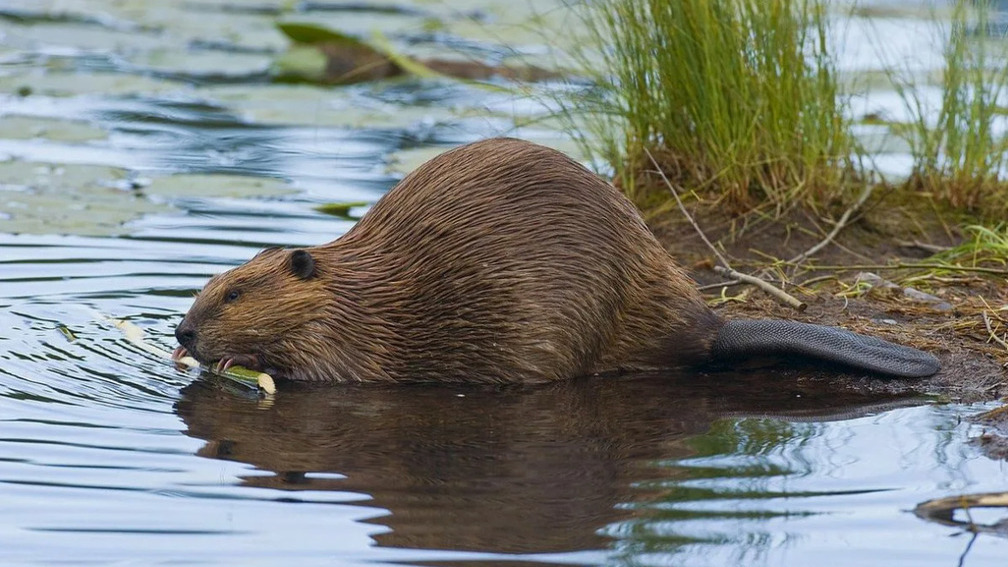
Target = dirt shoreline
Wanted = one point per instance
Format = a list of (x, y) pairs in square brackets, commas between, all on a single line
[(971, 370), (943, 315)]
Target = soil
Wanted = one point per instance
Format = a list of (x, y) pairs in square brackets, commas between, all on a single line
[(994, 439), (850, 283), (960, 316)]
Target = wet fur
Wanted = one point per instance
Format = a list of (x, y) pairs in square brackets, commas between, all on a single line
[(499, 261)]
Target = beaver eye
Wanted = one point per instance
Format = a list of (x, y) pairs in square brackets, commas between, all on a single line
[(232, 295)]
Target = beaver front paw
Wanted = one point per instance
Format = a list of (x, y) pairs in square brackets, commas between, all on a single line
[(250, 361)]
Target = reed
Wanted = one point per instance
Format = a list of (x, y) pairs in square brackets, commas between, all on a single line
[(736, 99), (959, 156)]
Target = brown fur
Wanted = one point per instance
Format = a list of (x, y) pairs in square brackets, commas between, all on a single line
[(499, 261)]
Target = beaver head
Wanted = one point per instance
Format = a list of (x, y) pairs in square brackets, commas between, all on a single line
[(257, 314)]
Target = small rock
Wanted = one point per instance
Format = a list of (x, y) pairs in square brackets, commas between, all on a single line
[(915, 295)]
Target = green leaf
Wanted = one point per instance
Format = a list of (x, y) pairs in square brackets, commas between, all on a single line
[(300, 63), (341, 210), (411, 66), (301, 32)]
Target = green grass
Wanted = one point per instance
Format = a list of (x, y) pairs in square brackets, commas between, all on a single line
[(740, 103), (958, 157), (984, 246), (736, 99)]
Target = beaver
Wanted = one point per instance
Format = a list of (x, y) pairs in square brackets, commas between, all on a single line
[(500, 261)]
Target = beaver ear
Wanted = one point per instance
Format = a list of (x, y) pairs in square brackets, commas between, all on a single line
[(302, 264)]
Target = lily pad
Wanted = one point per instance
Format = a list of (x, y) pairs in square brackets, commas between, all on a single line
[(204, 64), (82, 37), (405, 161), (309, 104), (327, 56), (342, 210), (302, 32), (29, 127), (300, 63), (38, 198), (99, 83), (213, 185)]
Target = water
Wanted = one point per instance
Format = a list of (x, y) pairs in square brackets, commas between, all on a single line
[(150, 154)]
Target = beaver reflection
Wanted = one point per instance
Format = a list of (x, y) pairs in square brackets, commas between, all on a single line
[(518, 469)]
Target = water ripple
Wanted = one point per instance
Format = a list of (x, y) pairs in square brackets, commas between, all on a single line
[(109, 455)]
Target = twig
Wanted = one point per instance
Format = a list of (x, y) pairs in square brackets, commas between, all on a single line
[(728, 283), (930, 248), (725, 268), (969, 546), (837, 228), (991, 332), (816, 280), (901, 266), (780, 294), (696, 227), (135, 335)]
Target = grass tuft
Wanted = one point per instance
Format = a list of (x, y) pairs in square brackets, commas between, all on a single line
[(959, 157), (736, 99), (986, 246), (740, 103)]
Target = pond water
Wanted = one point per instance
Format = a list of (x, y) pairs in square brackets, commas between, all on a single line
[(142, 150)]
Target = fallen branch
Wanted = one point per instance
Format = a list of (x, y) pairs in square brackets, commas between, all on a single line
[(725, 268), (836, 229), (929, 248), (696, 227)]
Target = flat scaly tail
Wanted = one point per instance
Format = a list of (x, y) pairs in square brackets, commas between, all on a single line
[(746, 338)]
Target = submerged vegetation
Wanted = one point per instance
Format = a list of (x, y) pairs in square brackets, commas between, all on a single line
[(741, 105)]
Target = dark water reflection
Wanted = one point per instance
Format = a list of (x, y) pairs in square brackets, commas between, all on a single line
[(512, 470)]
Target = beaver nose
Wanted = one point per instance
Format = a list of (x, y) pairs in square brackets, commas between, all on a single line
[(186, 334)]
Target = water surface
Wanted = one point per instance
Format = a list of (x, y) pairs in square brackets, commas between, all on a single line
[(142, 150)]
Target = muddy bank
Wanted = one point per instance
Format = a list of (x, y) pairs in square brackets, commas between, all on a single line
[(852, 283), (972, 370)]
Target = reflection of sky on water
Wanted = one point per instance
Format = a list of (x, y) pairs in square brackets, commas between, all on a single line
[(100, 461)]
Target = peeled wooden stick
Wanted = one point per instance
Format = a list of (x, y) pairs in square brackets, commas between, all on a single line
[(135, 335), (942, 510)]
